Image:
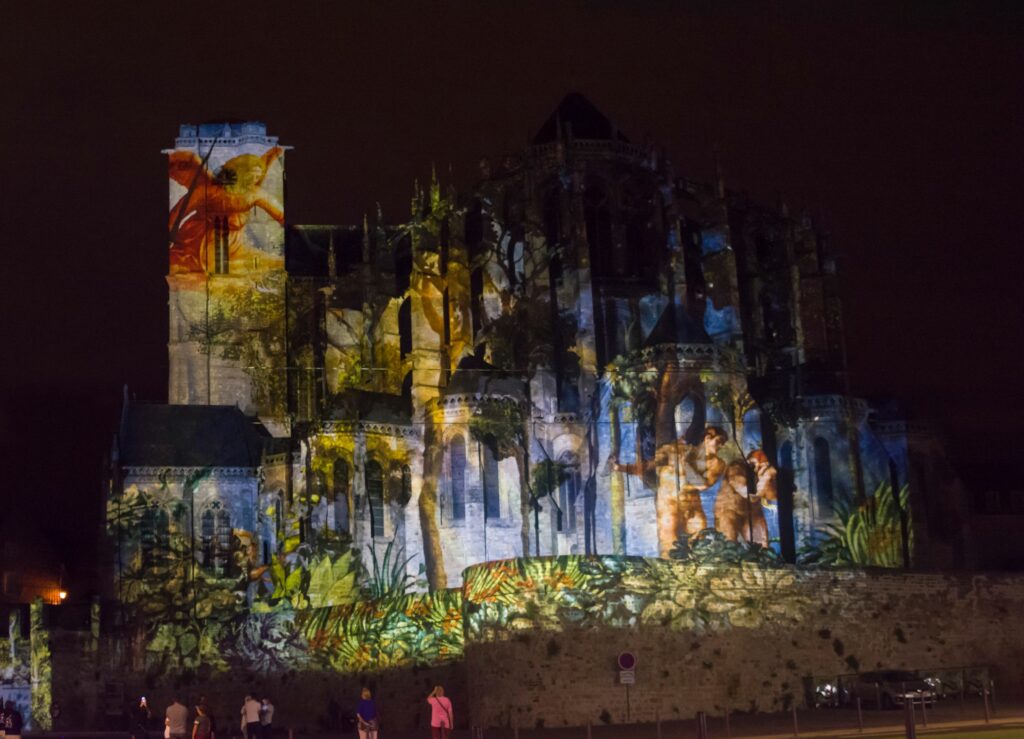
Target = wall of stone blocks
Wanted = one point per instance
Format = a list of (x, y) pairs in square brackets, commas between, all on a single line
[(847, 622)]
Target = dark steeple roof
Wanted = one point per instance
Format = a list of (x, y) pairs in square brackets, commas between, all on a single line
[(190, 436), (586, 122)]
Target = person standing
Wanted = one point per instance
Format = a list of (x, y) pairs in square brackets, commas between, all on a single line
[(441, 719), (267, 719), (142, 717), (367, 715), (251, 717), (210, 715), (202, 728), (12, 720), (176, 719)]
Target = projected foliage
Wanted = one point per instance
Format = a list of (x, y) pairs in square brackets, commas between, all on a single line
[(539, 372), (876, 533)]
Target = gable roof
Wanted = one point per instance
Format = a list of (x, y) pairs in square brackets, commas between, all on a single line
[(585, 120), (190, 436)]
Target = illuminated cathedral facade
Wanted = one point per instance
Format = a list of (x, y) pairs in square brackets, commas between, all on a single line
[(586, 352)]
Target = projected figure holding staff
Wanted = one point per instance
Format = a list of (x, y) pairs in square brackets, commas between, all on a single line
[(208, 224)]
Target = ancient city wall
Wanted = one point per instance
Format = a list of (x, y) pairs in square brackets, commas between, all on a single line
[(744, 637), (534, 641)]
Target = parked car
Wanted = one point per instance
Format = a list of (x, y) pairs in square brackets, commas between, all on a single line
[(889, 688)]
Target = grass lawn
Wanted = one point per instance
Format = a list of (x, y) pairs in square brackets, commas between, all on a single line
[(1016, 732)]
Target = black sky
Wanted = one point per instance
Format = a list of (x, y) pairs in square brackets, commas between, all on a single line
[(900, 123)]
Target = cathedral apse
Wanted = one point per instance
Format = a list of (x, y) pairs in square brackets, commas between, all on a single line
[(583, 377)]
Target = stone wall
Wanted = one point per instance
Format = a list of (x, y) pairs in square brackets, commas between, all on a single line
[(539, 639), (760, 657)]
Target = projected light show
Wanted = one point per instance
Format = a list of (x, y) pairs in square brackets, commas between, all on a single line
[(384, 438)]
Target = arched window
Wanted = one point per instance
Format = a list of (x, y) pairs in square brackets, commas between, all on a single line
[(786, 456), (598, 218), (222, 544), (206, 537), (215, 541), (568, 489), (405, 328), (823, 477), (689, 418), (341, 495), (457, 471), (492, 492), (375, 497), (154, 535)]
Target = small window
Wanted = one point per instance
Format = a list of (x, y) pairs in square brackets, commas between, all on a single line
[(375, 497), (457, 462), (341, 496), (220, 245), (568, 490), (492, 491)]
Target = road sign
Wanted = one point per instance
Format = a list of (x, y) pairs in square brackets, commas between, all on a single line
[(627, 677), (627, 661)]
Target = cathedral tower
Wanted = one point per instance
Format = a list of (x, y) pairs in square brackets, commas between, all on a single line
[(226, 273)]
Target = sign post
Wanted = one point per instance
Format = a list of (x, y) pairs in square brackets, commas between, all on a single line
[(627, 674)]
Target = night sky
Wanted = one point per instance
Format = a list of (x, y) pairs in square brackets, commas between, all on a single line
[(899, 124)]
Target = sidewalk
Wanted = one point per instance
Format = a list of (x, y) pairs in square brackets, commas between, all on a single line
[(835, 723)]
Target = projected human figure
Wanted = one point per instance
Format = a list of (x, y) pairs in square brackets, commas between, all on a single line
[(207, 224)]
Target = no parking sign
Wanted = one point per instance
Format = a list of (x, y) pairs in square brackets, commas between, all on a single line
[(627, 668)]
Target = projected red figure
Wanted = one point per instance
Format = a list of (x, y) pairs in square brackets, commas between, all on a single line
[(208, 223)]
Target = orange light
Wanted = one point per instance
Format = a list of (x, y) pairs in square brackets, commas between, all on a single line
[(62, 594)]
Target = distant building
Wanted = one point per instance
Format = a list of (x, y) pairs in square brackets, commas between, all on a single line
[(587, 352)]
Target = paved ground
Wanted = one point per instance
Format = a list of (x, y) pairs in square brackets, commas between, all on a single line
[(948, 720)]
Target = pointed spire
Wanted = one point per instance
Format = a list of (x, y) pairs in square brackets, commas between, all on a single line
[(416, 202), (719, 179), (332, 259), (366, 240), (435, 189)]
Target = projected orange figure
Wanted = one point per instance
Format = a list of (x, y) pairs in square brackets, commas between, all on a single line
[(207, 224)]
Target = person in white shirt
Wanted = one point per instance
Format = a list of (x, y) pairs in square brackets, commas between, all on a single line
[(251, 717)]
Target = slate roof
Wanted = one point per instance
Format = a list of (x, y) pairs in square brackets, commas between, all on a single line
[(368, 406), (586, 120), (474, 376), (190, 436)]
